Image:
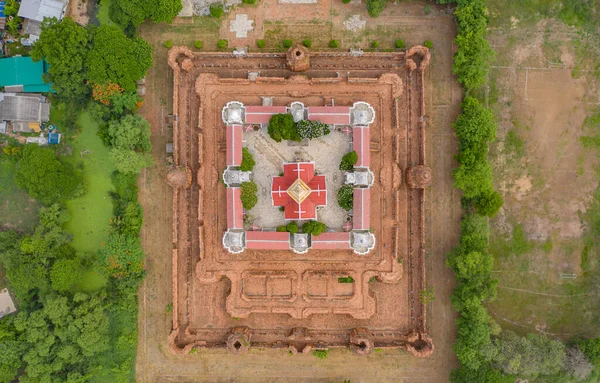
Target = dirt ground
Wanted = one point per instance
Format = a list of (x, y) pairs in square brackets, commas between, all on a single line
[(546, 176), (157, 364)]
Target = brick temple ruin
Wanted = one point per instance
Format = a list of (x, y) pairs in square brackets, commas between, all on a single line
[(237, 283)]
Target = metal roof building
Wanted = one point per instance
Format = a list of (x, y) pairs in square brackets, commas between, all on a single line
[(22, 74), (25, 111), (38, 9)]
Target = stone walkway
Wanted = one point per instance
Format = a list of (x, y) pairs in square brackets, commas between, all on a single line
[(241, 26)]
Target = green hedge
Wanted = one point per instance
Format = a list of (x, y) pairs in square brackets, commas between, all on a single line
[(346, 197), (348, 161), (248, 195), (247, 161), (314, 228)]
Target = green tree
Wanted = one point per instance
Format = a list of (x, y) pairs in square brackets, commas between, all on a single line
[(348, 161), (222, 44), (65, 274), (134, 12), (122, 260), (334, 43), (282, 127), (346, 197), (129, 161), (307, 43), (116, 58), (291, 228), (529, 356), (312, 129), (475, 125), (314, 228), (488, 203), (248, 194), (45, 177), (484, 374), (130, 132), (287, 43), (247, 161), (216, 10), (375, 7), (64, 45)]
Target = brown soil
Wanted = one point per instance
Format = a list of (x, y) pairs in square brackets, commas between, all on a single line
[(157, 364)]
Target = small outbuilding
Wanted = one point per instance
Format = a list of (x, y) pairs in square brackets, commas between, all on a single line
[(7, 306), (22, 74)]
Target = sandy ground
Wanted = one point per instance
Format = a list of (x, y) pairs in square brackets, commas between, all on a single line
[(550, 187), (156, 364), (326, 152)]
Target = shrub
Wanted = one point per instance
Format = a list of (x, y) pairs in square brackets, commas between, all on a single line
[(307, 43), (45, 178), (374, 44), (198, 44), (291, 228), (400, 44), (346, 197), (427, 9), (488, 203), (260, 43), (287, 43), (312, 129), (321, 354), (248, 195), (428, 44), (282, 127), (250, 2), (247, 161), (216, 10), (375, 7), (222, 44), (314, 228), (168, 44), (347, 279), (334, 44), (346, 1), (348, 161)]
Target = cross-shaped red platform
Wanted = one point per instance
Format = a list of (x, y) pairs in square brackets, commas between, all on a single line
[(299, 191)]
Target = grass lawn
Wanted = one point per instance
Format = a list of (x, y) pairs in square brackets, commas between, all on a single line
[(103, 16), (17, 210), (91, 214)]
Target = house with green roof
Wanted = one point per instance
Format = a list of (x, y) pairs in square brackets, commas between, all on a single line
[(22, 74)]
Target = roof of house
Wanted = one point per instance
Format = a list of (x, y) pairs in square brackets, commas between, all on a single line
[(258, 114), (235, 210), (24, 107), (331, 241), (38, 9), (331, 115), (7, 305), (234, 145), (53, 138), (299, 190), (361, 144), (361, 209), (267, 240), (24, 71)]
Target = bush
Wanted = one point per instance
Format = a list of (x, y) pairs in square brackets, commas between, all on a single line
[(260, 43), (346, 1), (427, 9), (45, 178), (400, 44), (287, 43), (222, 44), (348, 161), (374, 44), (334, 44), (283, 127), (198, 44), (375, 7), (346, 197), (488, 203), (168, 44), (291, 228), (216, 10), (428, 44), (247, 161), (312, 129), (307, 43), (314, 228), (249, 2), (248, 195), (321, 354)]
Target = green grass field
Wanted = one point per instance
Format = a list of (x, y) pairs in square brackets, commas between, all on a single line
[(91, 214), (102, 14), (17, 210)]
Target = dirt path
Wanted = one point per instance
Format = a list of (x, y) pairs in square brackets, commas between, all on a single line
[(157, 364)]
